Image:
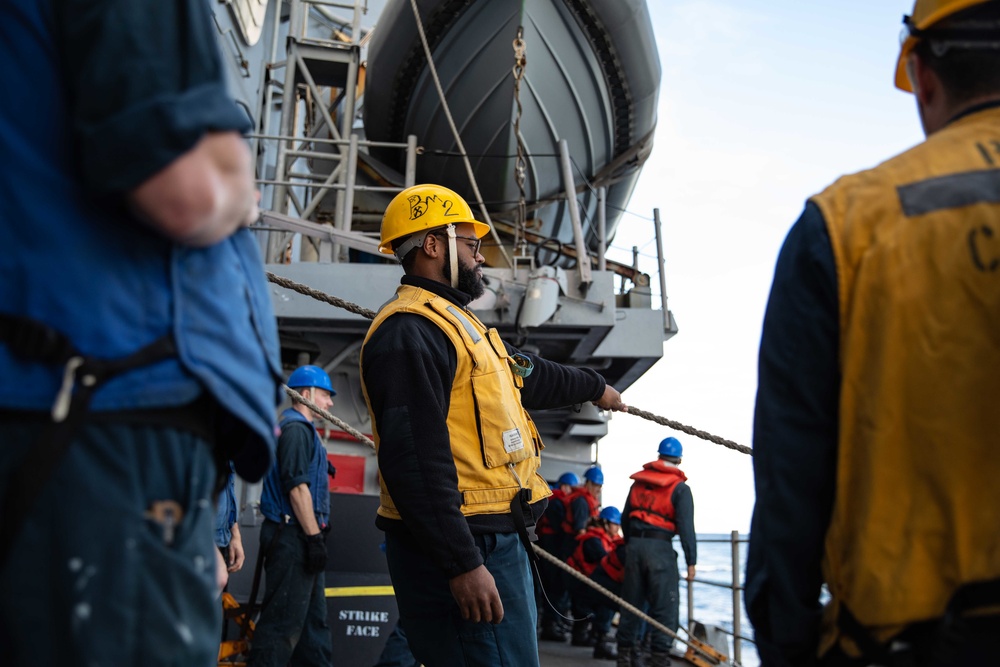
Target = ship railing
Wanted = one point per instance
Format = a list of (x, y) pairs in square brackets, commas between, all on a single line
[(735, 585), (329, 61), (306, 188)]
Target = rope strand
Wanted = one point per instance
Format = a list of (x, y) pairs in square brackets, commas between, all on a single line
[(625, 606), (320, 296), (358, 435), (370, 314), (690, 430)]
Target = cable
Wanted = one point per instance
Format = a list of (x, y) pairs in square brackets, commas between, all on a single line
[(454, 132)]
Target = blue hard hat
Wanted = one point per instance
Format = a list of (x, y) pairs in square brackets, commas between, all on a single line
[(671, 447), (310, 376), (594, 475), (612, 514), (569, 478)]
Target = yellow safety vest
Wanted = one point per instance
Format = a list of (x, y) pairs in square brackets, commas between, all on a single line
[(497, 453), (916, 242)]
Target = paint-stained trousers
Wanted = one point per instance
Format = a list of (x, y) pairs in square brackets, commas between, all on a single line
[(292, 629), (437, 634), (92, 579)]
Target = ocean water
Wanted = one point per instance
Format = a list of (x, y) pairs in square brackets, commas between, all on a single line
[(713, 605)]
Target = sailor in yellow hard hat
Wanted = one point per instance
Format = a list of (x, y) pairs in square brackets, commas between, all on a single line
[(458, 453), (424, 210), (876, 425)]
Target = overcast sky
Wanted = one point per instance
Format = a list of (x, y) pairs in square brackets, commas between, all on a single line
[(763, 103)]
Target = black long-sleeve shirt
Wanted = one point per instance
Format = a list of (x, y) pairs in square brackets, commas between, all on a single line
[(409, 366), (795, 444)]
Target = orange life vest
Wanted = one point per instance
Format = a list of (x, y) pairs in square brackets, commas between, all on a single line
[(612, 562), (567, 524), (544, 525), (578, 561), (649, 498)]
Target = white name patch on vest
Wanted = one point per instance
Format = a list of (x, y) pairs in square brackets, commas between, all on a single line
[(512, 440)]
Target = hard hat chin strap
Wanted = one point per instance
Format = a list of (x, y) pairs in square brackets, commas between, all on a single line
[(453, 254), (417, 240)]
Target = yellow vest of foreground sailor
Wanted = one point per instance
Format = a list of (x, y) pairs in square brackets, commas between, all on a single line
[(917, 511), (493, 440)]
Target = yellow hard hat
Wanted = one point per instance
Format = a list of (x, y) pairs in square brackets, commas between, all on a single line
[(925, 14), (421, 208)]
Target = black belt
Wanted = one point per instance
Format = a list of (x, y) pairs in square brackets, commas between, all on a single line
[(82, 376), (651, 535)]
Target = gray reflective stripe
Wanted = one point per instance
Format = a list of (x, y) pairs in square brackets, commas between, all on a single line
[(471, 330), (391, 299), (954, 191)]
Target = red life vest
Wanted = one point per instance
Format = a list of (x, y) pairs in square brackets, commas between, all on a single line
[(578, 561), (567, 524), (544, 525), (649, 498), (612, 562)]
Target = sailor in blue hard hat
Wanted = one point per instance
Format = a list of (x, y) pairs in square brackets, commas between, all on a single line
[(671, 447), (552, 539), (591, 547), (611, 515), (659, 506), (567, 481), (583, 503), (295, 503)]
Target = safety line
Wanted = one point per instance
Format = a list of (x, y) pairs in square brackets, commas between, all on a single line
[(281, 281), (370, 314), (625, 606), (690, 430), (296, 396)]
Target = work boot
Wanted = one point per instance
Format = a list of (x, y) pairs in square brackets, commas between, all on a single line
[(553, 632), (624, 657), (582, 635), (657, 659), (606, 648)]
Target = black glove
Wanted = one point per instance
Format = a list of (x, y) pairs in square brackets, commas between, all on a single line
[(315, 553)]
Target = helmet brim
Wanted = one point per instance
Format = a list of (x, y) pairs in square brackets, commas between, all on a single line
[(902, 78), (923, 22)]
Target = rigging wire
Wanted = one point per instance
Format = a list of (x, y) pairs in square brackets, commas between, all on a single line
[(454, 131), (520, 164)]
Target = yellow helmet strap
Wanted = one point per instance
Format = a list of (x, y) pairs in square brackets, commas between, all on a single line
[(417, 240)]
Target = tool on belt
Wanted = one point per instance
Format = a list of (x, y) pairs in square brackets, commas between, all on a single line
[(82, 375)]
